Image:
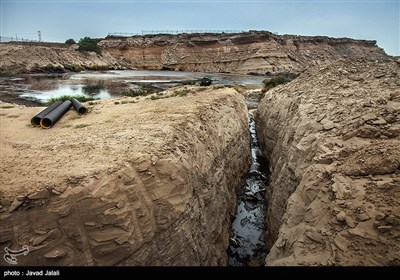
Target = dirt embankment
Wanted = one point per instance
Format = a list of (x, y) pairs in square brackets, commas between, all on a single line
[(249, 52), (147, 183), (333, 140), (30, 58)]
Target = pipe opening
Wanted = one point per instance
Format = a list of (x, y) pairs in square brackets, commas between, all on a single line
[(46, 123), (82, 111), (35, 121)]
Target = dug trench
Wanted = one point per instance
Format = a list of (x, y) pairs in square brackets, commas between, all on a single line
[(163, 187), (134, 182), (247, 237)]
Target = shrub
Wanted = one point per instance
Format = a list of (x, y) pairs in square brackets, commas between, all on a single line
[(89, 44), (182, 92), (50, 68), (154, 97), (135, 92), (93, 89), (74, 67), (205, 82), (69, 97), (8, 73), (273, 82), (188, 82), (81, 125), (70, 42)]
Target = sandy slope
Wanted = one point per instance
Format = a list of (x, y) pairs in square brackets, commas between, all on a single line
[(333, 138)]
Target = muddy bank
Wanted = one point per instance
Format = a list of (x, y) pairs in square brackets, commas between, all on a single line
[(146, 183), (332, 138)]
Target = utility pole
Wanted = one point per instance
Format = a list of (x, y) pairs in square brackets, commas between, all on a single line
[(40, 35)]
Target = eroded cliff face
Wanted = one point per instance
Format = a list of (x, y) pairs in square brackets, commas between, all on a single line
[(145, 183), (249, 52), (333, 139), (30, 58)]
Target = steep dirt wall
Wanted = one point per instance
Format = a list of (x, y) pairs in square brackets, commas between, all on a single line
[(333, 139), (24, 58), (256, 52), (145, 183)]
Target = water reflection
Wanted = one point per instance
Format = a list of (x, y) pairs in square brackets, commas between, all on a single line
[(73, 90), (109, 84)]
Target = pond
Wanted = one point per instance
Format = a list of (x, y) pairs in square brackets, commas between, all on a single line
[(39, 88)]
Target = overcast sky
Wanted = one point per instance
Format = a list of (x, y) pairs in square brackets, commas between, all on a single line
[(59, 20)]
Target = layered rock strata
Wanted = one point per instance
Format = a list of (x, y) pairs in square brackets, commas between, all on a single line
[(33, 58), (248, 52)]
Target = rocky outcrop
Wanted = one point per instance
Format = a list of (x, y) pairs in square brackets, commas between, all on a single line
[(19, 58), (332, 138), (148, 182), (249, 52)]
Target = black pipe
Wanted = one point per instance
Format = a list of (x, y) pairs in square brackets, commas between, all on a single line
[(50, 119), (35, 121), (82, 110)]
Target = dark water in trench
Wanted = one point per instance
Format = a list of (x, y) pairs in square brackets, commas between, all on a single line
[(247, 237)]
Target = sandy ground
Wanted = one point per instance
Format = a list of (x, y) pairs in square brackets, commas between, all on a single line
[(332, 136), (75, 142), (145, 183)]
